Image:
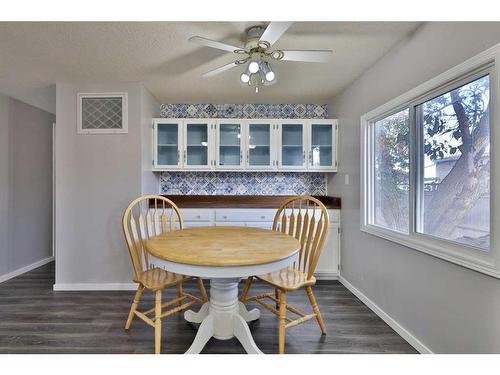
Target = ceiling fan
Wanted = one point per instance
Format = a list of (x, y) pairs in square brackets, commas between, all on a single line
[(258, 54)]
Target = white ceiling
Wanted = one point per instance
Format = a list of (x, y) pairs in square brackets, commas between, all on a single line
[(34, 56)]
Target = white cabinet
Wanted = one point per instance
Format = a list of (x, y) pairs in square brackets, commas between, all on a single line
[(328, 263), (294, 145), (198, 139), (167, 138), (323, 145), (230, 145), (261, 141)]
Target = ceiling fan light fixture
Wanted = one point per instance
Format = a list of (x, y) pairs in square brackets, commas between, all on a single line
[(267, 71), (253, 67), (245, 77)]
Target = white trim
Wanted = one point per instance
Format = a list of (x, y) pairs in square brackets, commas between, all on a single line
[(94, 286), (402, 331), (25, 269), (122, 95), (320, 275), (487, 262)]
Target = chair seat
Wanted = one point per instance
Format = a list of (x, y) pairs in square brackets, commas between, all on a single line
[(288, 279), (157, 278)]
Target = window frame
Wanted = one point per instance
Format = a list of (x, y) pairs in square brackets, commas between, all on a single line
[(485, 261), (79, 104)]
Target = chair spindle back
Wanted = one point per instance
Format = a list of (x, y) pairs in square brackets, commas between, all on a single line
[(305, 218), (146, 217)]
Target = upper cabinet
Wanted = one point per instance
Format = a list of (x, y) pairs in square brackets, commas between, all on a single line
[(229, 145), (167, 138), (292, 144), (261, 150), (236, 144), (198, 144), (323, 144)]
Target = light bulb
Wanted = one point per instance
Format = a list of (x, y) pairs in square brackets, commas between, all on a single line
[(253, 67), (268, 73), (245, 78)]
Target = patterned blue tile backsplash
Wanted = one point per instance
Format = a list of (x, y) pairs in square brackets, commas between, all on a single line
[(243, 111), (242, 183)]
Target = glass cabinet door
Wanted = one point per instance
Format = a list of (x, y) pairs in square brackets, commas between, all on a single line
[(292, 141), (322, 152), (260, 150), (167, 147), (196, 150), (230, 153)]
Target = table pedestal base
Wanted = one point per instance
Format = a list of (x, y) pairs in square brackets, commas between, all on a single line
[(224, 317)]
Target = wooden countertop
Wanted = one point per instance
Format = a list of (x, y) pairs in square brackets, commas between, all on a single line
[(242, 201)]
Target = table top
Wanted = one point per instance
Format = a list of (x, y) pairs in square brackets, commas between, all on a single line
[(223, 246)]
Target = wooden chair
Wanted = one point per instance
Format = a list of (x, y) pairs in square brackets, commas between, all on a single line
[(145, 217), (305, 218)]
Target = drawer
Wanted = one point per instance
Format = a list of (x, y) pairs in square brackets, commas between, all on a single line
[(251, 215), (193, 214)]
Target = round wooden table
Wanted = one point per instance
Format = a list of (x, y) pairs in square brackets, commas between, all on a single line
[(224, 255)]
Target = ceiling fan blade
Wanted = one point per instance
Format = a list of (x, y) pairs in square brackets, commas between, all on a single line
[(220, 69), (320, 56), (274, 31), (213, 43)]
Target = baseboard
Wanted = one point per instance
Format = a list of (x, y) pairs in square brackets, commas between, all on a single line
[(25, 269), (326, 275), (94, 286), (412, 340)]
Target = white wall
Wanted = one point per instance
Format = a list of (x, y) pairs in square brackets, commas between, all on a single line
[(4, 184), (96, 178), (25, 186), (450, 309)]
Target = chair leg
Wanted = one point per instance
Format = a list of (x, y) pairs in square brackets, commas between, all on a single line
[(179, 292), (158, 322), (246, 289), (316, 310), (282, 318), (277, 296), (202, 289), (133, 308)]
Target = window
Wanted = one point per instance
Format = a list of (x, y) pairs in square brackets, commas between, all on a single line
[(454, 178), (427, 180), (391, 181)]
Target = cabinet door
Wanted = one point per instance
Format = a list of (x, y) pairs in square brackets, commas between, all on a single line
[(328, 262), (292, 137), (229, 145), (198, 144), (261, 145), (323, 145), (167, 136)]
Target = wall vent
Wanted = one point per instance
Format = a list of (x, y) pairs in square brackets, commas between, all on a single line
[(102, 113)]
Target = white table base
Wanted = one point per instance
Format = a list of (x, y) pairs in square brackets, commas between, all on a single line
[(224, 317)]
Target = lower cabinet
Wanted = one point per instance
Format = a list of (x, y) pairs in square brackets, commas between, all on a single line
[(328, 264)]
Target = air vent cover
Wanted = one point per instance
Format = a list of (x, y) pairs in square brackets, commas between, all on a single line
[(103, 113)]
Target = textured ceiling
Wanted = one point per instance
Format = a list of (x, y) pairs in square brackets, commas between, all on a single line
[(34, 56)]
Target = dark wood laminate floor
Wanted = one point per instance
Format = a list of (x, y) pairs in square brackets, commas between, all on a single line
[(35, 319)]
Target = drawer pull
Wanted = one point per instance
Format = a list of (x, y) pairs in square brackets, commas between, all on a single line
[(262, 217)]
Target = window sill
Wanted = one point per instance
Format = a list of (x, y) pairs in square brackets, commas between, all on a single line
[(477, 260)]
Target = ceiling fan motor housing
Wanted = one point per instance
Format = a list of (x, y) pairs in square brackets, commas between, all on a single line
[(253, 35)]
